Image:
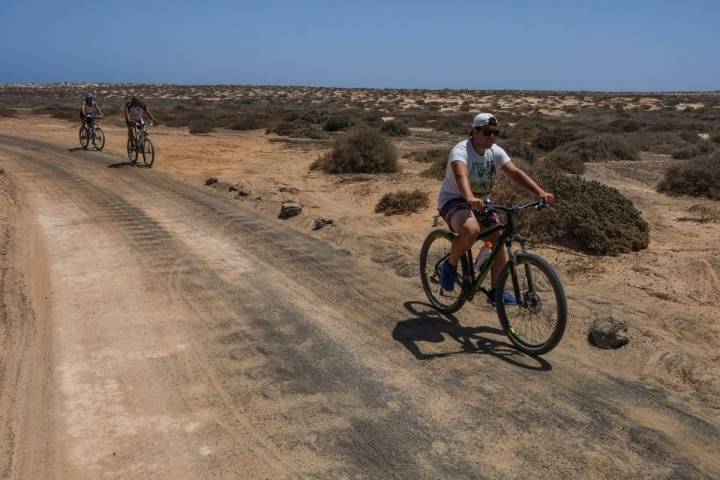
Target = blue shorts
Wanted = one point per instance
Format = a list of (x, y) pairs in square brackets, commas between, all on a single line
[(454, 205)]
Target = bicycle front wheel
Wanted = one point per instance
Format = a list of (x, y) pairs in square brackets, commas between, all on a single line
[(537, 323), (435, 250), (148, 153), (84, 136), (99, 138), (132, 151)]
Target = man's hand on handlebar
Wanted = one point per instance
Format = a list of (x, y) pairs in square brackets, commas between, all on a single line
[(547, 197), (476, 203)]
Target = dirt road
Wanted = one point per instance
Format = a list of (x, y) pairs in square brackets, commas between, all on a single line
[(185, 337)]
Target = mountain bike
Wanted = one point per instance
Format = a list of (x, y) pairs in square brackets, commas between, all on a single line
[(141, 143), (537, 323), (90, 131)]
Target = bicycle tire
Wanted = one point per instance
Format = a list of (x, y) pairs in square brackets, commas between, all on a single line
[(84, 137), (546, 285), (148, 152), (98, 139), (132, 151), (435, 249)]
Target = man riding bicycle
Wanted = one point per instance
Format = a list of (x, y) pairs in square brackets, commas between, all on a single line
[(89, 109), (134, 115), (469, 177)]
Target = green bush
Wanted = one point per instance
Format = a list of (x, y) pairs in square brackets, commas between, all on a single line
[(430, 156), (570, 156), (402, 202), (361, 150), (245, 123), (337, 123), (623, 125), (549, 139), (587, 215), (201, 125), (699, 177), (395, 128), (298, 129), (518, 149)]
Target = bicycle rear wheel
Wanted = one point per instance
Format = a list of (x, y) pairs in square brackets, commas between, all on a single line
[(99, 138), (537, 323), (435, 250), (148, 153), (84, 136)]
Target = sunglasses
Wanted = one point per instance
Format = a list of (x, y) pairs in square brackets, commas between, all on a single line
[(489, 131)]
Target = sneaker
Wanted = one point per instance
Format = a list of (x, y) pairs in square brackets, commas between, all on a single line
[(508, 298), (448, 274)]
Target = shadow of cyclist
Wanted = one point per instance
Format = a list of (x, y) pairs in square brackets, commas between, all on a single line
[(430, 325), (126, 164)]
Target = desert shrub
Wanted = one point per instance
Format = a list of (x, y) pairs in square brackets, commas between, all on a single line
[(430, 156), (297, 129), (314, 116), (699, 177), (654, 142), (201, 124), (518, 149), (551, 138), (372, 120), (244, 123), (402, 202), (337, 123), (459, 125), (395, 128), (623, 125), (61, 112), (361, 150), (715, 137), (7, 112), (566, 162), (587, 215), (692, 151), (600, 147)]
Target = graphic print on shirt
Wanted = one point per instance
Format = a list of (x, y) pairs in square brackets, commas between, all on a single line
[(482, 177)]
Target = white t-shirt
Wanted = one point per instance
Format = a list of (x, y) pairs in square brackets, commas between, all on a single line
[(482, 170)]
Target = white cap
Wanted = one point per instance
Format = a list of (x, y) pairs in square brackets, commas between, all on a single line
[(483, 119)]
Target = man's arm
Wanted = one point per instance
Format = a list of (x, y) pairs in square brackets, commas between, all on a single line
[(127, 115), (147, 110), (98, 108), (522, 179), (460, 170)]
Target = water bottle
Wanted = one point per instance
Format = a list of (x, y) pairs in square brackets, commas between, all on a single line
[(483, 255)]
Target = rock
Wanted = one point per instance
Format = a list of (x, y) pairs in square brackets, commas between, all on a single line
[(290, 209), (211, 180), (243, 190), (608, 332), (233, 188), (321, 222)]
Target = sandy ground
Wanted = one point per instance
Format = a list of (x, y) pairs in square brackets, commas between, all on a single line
[(668, 294)]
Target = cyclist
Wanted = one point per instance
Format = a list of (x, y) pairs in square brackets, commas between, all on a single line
[(469, 177), (134, 115), (88, 109)]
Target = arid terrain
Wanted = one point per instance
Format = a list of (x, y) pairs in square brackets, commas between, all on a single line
[(156, 327)]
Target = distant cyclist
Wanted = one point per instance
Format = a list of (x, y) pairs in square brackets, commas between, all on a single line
[(89, 109), (469, 178), (133, 111)]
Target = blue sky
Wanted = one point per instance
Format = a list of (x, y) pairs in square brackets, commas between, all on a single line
[(570, 45)]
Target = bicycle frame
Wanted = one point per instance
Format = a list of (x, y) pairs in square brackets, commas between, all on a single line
[(473, 284)]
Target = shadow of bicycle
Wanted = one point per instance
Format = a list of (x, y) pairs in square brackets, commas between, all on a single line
[(430, 325), (126, 164)]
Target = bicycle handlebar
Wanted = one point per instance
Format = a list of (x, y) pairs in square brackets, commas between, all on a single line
[(538, 204)]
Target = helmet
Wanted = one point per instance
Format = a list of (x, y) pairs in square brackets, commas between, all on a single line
[(89, 97)]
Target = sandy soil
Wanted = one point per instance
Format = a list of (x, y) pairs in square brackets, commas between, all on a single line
[(649, 408)]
